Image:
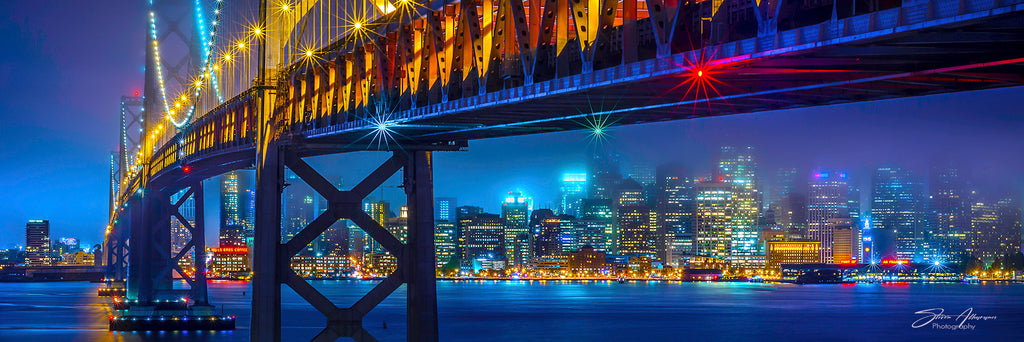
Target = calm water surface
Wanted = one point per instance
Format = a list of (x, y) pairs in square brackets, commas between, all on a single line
[(532, 311)]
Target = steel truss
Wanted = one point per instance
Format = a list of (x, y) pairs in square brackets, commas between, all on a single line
[(149, 278), (415, 258)]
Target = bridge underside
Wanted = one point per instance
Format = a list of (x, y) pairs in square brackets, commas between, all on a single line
[(947, 58)]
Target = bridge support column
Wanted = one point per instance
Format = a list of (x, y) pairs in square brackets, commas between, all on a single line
[(415, 259), (266, 280), (420, 259)]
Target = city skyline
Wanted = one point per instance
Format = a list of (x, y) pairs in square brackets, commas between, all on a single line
[(538, 168)]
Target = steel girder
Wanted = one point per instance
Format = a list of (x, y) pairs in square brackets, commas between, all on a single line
[(415, 258)]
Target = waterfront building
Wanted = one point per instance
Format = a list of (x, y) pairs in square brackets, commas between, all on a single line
[(229, 262), (79, 258), (586, 262), (792, 252), (327, 266), (37, 243), (551, 265)]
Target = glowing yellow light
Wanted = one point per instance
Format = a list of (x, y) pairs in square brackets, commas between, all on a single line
[(284, 7), (358, 25), (258, 31), (309, 53), (700, 73), (241, 45)]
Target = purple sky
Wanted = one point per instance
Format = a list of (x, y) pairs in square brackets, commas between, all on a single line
[(65, 65)]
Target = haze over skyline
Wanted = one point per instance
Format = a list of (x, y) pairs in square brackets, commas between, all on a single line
[(58, 128)]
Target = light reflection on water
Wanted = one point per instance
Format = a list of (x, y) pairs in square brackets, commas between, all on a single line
[(557, 310)]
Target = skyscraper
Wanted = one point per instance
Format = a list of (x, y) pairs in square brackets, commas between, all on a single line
[(545, 228), (996, 228), (573, 191), (950, 215), (444, 242), (230, 205), (827, 199), (645, 174), (515, 213), (445, 209), (596, 228), (37, 243), (713, 219), (896, 213), (782, 202), (484, 238), (604, 174), (676, 206), (738, 167), (633, 219)]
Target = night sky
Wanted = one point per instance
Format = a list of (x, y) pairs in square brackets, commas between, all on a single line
[(65, 65)]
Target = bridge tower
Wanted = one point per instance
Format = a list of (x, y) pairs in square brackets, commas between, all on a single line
[(143, 220)]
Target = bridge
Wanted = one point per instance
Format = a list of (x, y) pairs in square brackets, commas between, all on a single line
[(265, 84)]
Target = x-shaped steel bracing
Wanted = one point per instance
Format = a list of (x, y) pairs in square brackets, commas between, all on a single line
[(342, 322)]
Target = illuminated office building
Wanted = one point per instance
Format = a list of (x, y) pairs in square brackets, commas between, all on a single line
[(633, 219), (37, 243), (604, 174), (950, 216), (792, 252), (843, 238), (826, 200), (515, 211), (595, 227), (445, 241), (545, 227), (676, 206), (445, 209), (713, 219), (896, 213), (738, 168), (573, 191), (483, 237)]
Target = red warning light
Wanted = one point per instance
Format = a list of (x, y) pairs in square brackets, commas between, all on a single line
[(136, 93), (186, 169)]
